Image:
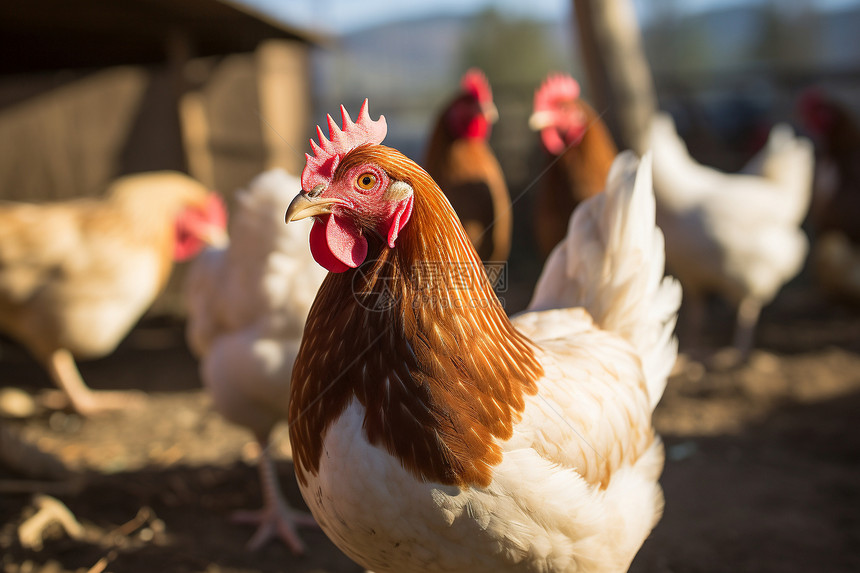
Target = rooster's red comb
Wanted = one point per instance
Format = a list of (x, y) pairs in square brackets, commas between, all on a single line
[(555, 89), (475, 82), (327, 155)]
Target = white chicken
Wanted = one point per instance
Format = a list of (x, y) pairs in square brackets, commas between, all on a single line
[(247, 307), (736, 235)]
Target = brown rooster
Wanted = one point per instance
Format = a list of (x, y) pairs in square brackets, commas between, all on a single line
[(580, 151), (75, 276), (461, 161)]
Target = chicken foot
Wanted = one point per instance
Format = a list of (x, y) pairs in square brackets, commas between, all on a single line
[(85, 401), (276, 518), (745, 324)]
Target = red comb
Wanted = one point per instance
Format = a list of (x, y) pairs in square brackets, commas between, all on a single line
[(327, 155), (475, 82), (556, 88)]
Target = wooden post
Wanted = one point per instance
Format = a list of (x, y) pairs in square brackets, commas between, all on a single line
[(195, 137), (178, 49), (599, 91), (282, 80), (618, 71)]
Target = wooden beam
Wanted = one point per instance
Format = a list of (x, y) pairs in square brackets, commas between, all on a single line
[(195, 137), (617, 65), (282, 83)]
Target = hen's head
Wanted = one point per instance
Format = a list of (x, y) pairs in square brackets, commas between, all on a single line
[(356, 190), (200, 223), (472, 112), (557, 113), (198, 216)]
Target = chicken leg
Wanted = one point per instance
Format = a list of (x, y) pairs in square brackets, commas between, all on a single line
[(745, 324), (63, 370), (276, 518), (748, 312)]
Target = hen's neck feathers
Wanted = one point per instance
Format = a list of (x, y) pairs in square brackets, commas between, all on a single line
[(586, 164), (416, 335)]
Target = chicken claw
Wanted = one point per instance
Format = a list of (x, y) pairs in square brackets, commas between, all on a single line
[(85, 401), (94, 403), (276, 518)]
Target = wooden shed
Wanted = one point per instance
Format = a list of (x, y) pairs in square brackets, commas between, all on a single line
[(90, 90)]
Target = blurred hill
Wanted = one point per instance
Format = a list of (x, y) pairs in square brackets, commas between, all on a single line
[(409, 69), (794, 35), (728, 70)]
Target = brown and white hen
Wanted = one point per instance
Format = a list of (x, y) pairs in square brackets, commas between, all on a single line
[(430, 432)]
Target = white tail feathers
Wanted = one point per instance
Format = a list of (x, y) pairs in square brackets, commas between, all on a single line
[(612, 264)]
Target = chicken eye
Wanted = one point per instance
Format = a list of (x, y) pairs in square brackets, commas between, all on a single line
[(366, 181)]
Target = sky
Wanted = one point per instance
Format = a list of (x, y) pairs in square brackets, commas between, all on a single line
[(340, 16), (346, 15)]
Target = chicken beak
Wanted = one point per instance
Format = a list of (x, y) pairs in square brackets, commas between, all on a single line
[(214, 235), (491, 112), (540, 120), (304, 206)]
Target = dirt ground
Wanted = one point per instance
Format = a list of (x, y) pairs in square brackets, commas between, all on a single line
[(762, 472)]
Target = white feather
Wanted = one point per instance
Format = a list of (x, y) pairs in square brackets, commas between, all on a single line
[(612, 263)]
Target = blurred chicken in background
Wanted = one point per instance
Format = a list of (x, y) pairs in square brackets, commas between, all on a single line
[(580, 151), (837, 135), (836, 204), (734, 235), (75, 276), (459, 158), (248, 302), (836, 263)]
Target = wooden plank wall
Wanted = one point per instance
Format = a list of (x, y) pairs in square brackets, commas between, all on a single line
[(68, 135), (68, 141)]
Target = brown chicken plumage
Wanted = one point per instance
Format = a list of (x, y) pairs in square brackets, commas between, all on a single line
[(580, 151), (836, 206), (75, 276), (836, 200), (462, 163)]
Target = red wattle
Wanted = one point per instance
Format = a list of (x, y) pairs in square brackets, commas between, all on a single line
[(186, 246), (552, 140), (477, 128), (398, 220), (336, 244)]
